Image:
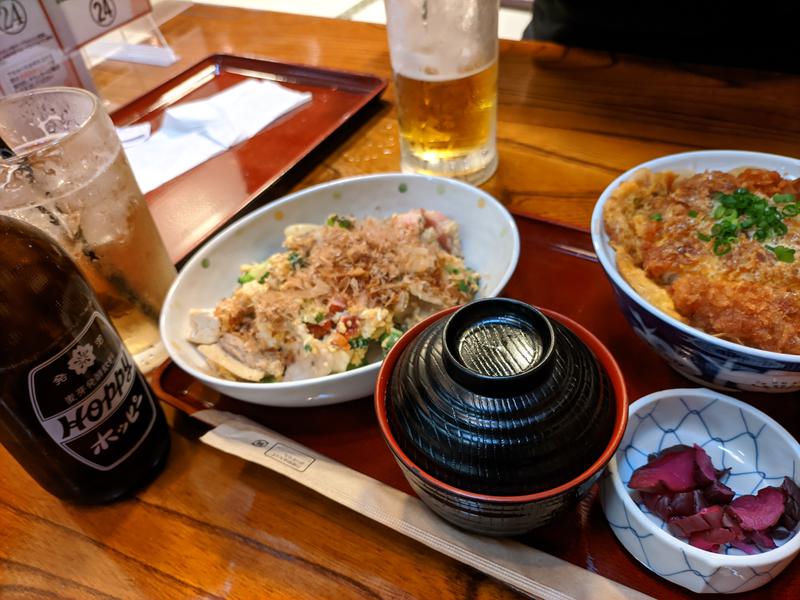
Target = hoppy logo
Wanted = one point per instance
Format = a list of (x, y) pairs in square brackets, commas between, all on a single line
[(104, 401), (112, 435), (103, 12), (81, 359), (90, 400), (13, 17), (133, 410), (103, 440)]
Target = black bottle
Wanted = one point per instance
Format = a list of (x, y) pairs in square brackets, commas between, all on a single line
[(74, 410)]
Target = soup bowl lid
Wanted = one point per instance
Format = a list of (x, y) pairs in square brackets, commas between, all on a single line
[(497, 398)]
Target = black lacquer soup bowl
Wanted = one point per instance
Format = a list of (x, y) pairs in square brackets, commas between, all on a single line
[(500, 415)]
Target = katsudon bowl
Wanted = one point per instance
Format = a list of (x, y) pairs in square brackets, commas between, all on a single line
[(489, 240), (697, 355)]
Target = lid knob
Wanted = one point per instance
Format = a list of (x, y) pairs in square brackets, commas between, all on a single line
[(497, 346)]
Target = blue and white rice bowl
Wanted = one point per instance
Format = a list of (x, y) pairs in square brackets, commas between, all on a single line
[(697, 355), (735, 435)]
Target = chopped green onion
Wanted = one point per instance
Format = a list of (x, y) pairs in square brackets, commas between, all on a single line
[(452, 270), (655, 217), (359, 342), (205, 263), (296, 260), (693, 213), (246, 278), (390, 339), (463, 287), (744, 212), (263, 278), (318, 317), (721, 247), (307, 347), (342, 222), (791, 210), (782, 253), (268, 379)]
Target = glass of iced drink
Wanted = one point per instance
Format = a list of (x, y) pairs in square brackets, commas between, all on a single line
[(444, 58), (68, 175)]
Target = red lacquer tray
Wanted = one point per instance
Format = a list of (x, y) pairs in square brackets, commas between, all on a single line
[(557, 270), (194, 205)]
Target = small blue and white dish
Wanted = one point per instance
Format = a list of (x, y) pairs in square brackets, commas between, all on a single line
[(759, 453), (701, 357)]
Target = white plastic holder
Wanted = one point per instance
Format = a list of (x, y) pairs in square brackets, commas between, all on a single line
[(140, 41)]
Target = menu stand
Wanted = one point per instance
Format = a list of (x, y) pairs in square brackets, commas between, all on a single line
[(139, 41)]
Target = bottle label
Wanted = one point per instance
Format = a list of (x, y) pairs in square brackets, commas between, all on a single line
[(91, 399)]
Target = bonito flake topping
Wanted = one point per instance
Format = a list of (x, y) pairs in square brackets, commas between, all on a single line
[(340, 295)]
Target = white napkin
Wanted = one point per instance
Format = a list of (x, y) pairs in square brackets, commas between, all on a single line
[(134, 134), (193, 132)]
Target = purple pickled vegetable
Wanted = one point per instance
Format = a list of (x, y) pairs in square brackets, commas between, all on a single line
[(698, 541), (717, 535), (757, 513), (731, 523), (669, 472), (720, 473), (681, 485), (676, 469), (791, 509), (706, 529), (670, 450), (718, 493), (745, 547), (679, 504), (762, 540), (707, 518), (705, 474)]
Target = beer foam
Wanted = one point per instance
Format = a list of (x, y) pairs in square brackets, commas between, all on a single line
[(440, 42), (423, 73)]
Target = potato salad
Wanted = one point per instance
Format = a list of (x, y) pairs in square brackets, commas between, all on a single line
[(339, 296)]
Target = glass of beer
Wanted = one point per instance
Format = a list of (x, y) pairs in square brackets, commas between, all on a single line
[(444, 58), (65, 172)]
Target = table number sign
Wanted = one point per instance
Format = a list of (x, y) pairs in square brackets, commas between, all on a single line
[(77, 22), (30, 54)]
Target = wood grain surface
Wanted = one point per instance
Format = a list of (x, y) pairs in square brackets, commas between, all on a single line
[(214, 526)]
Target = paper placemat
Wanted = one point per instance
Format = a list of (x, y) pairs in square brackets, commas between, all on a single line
[(524, 568)]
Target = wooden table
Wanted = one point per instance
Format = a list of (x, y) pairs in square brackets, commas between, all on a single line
[(215, 526)]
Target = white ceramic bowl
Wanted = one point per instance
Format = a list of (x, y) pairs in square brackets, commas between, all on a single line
[(489, 237), (757, 449), (693, 353)]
